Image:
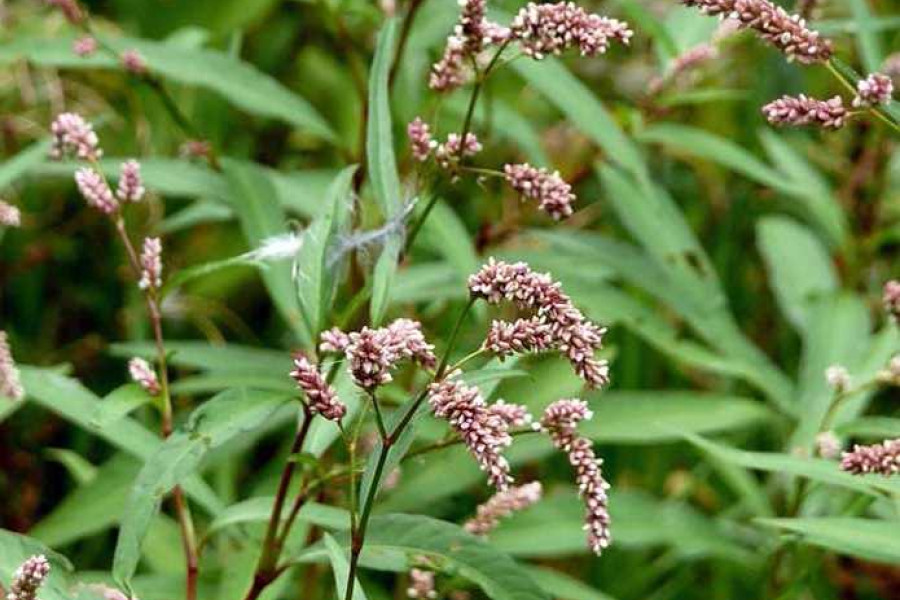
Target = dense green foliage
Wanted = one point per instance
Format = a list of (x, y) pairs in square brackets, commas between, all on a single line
[(732, 262)]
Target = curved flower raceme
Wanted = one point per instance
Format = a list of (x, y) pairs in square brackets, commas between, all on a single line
[(373, 353), (545, 29), (28, 578), (131, 184), (10, 385), (485, 433), (883, 459), (560, 420), (323, 398), (803, 110), (72, 134), (775, 25), (501, 505), (151, 264), (553, 194), (96, 191), (875, 89), (143, 374), (557, 323)]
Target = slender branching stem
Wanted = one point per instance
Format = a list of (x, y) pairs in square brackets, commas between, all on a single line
[(878, 112), (266, 567)]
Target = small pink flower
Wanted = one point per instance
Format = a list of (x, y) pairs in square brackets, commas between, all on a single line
[(875, 89), (883, 459), (131, 185), (95, 190), (71, 133), (448, 153), (28, 578), (553, 194), (408, 342), (420, 140), (545, 29), (10, 385), (373, 353), (421, 585), (803, 110), (333, 340), (891, 299), (69, 9), (560, 420), (322, 397), (84, 46), (484, 433), (9, 215), (134, 62), (501, 505), (144, 375), (151, 264), (515, 415)]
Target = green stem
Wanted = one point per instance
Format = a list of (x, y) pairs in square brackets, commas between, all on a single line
[(878, 112)]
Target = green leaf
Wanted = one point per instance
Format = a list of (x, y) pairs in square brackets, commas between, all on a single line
[(379, 135), (75, 403), (446, 234), (314, 276), (78, 467), (565, 587), (231, 358), (799, 267), (383, 278), (253, 199), (340, 567), (218, 421), (259, 510), (868, 539), (868, 39), (452, 548), (815, 469), (654, 416), (119, 403), (23, 162), (585, 110), (877, 428), (238, 82)]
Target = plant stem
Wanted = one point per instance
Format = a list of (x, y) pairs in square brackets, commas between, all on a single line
[(387, 441), (875, 110), (404, 38), (265, 569), (417, 226)]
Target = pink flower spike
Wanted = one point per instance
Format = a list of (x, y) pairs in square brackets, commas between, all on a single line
[(134, 62), (9, 215), (131, 185), (334, 340), (421, 585), (874, 90), (553, 194), (484, 433), (883, 459), (10, 385), (322, 397), (891, 299), (501, 505), (71, 133), (560, 420), (144, 375), (420, 140), (151, 264), (95, 191), (28, 578), (84, 46), (546, 29), (803, 110)]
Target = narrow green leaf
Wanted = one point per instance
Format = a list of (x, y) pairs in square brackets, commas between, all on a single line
[(218, 421), (238, 82), (383, 278), (799, 267), (23, 162), (868, 539), (868, 38), (565, 587), (233, 358), (259, 509), (119, 403), (340, 566), (78, 467)]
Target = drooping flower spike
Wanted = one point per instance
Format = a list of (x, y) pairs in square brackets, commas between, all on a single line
[(560, 420), (570, 333), (73, 134), (95, 190), (803, 110), (882, 459), (547, 29), (144, 375), (151, 264), (501, 505), (553, 195), (323, 398), (28, 578)]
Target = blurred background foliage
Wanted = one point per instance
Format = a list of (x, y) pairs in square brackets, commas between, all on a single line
[(732, 262)]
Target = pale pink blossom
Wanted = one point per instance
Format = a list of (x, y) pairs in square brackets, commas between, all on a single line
[(883, 459), (334, 340), (72, 134), (484, 433), (421, 585), (468, 38), (408, 342), (9, 215), (95, 190), (874, 90), (84, 46), (521, 336), (322, 397), (373, 353), (545, 29), (891, 299), (560, 420), (28, 578), (828, 445), (515, 415), (144, 375), (420, 141), (553, 194), (449, 153), (10, 383), (838, 378), (803, 110), (501, 505), (134, 62), (775, 25), (131, 185), (151, 264)]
